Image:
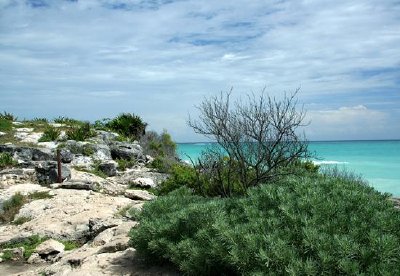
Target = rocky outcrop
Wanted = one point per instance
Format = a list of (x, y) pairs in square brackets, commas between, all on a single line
[(84, 208)]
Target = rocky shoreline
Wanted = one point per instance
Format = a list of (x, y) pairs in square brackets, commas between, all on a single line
[(93, 212)]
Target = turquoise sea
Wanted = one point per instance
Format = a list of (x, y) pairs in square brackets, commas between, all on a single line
[(378, 162)]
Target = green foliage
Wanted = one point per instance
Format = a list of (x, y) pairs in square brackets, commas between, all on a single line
[(70, 244), (21, 220), (180, 176), (39, 195), (5, 125), (80, 132), (11, 207), (128, 125), (68, 121), (40, 120), (101, 124), (124, 164), (7, 255), (6, 160), (8, 116), (29, 244), (50, 134), (314, 225)]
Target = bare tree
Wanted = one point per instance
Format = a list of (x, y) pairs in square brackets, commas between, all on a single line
[(258, 136)]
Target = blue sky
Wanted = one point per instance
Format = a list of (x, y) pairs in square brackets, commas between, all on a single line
[(95, 58)]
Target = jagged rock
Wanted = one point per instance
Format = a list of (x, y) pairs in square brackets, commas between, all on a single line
[(66, 216), (26, 154), (104, 237), (105, 136), (50, 145), (49, 247), (149, 159), (82, 161), (127, 151), (76, 185), (100, 152), (35, 259), (117, 244), (15, 176), (109, 168), (47, 172), (66, 156), (139, 195), (98, 225), (27, 135), (143, 182), (129, 176)]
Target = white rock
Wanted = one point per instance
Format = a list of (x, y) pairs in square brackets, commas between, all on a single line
[(49, 145), (82, 161), (24, 129), (2, 133), (144, 182), (139, 195), (50, 247)]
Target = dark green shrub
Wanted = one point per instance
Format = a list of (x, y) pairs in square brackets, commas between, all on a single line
[(6, 160), (50, 134), (124, 164), (40, 120), (8, 116), (68, 121), (180, 176), (11, 207), (314, 225), (128, 125), (5, 125), (80, 132)]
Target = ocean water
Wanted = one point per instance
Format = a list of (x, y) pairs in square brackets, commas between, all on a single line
[(378, 162)]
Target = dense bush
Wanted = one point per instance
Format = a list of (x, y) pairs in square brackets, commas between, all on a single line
[(320, 225), (50, 134), (7, 116), (5, 125), (68, 121), (80, 132), (128, 125), (6, 160), (180, 176)]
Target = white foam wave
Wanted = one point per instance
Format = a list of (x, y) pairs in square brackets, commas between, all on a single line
[(329, 162)]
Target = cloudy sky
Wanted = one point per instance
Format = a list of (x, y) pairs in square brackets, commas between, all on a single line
[(90, 59)]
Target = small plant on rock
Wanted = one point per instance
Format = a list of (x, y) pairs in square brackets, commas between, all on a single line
[(128, 125), (6, 160), (80, 133), (50, 134)]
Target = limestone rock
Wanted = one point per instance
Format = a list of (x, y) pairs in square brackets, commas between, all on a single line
[(109, 168), (119, 244), (15, 176), (50, 247), (139, 195), (47, 172), (66, 215), (35, 259), (25, 154), (143, 182), (82, 161), (100, 151), (23, 189), (128, 151), (66, 156)]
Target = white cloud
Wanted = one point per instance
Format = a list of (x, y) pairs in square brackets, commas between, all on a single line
[(179, 51), (356, 122)]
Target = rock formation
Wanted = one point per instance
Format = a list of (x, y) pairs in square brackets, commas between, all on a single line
[(85, 209)]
